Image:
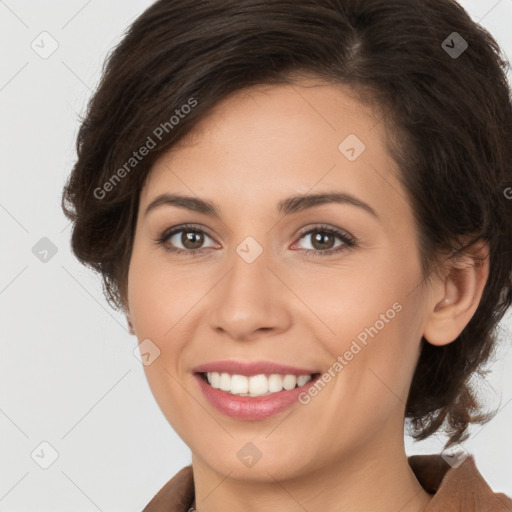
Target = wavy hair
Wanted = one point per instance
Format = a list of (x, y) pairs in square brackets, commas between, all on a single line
[(447, 107)]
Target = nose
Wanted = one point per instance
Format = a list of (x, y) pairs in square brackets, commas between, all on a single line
[(250, 300)]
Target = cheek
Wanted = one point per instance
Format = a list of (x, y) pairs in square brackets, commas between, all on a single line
[(358, 301), (158, 295), (145, 300), (157, 302), (375, 323), (162, 304), (372, 378)]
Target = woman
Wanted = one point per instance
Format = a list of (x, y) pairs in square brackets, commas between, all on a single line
[(301, 206)]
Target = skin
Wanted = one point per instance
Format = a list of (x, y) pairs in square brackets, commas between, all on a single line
[(344, 450)]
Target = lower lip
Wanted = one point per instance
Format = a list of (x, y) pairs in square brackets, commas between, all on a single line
[(251, 408)]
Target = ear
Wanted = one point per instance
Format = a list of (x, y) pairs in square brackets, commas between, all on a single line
[(456, 298)]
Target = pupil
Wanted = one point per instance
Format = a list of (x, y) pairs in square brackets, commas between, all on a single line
[(192, 239), (319, 238)]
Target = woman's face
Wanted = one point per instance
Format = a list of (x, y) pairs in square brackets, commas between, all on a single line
[(328, 287)]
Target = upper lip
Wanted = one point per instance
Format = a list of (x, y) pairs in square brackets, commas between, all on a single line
[(254, 368)]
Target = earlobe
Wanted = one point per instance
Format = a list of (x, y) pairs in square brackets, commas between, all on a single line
[(457, 298)]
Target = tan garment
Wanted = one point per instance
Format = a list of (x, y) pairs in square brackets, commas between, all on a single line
[(460, 489)]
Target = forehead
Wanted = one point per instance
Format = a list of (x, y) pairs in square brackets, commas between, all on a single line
[(272, 140)]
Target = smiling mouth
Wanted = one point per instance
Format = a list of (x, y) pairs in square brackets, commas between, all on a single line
[(255, 385)]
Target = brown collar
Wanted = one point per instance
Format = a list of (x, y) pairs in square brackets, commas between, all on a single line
[(457, 489)]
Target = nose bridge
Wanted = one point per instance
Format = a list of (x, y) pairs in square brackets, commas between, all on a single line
[(250, 274), (248, 297)]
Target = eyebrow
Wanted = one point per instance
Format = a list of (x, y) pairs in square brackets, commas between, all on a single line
[(285, 207)]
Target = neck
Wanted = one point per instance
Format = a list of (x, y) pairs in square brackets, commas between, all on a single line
[(371, 478)]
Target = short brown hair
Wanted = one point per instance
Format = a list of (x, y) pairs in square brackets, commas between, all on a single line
[(451, 119)]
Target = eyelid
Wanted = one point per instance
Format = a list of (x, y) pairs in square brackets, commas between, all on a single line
[(325, 227), (348, 241), (164, 236)]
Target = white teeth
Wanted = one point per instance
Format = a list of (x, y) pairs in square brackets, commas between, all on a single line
[(303, 379), (239, 384), (214, 380), (275, 383), (256, 385), (289, 382), (225, 382)]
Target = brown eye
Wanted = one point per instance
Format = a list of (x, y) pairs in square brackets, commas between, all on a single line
[(323, 241), (185, 239), (192, 239)]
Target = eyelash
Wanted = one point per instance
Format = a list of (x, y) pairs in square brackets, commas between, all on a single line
[(348, 240)]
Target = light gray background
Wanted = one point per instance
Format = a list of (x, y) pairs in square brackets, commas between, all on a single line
[(68, 375)]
